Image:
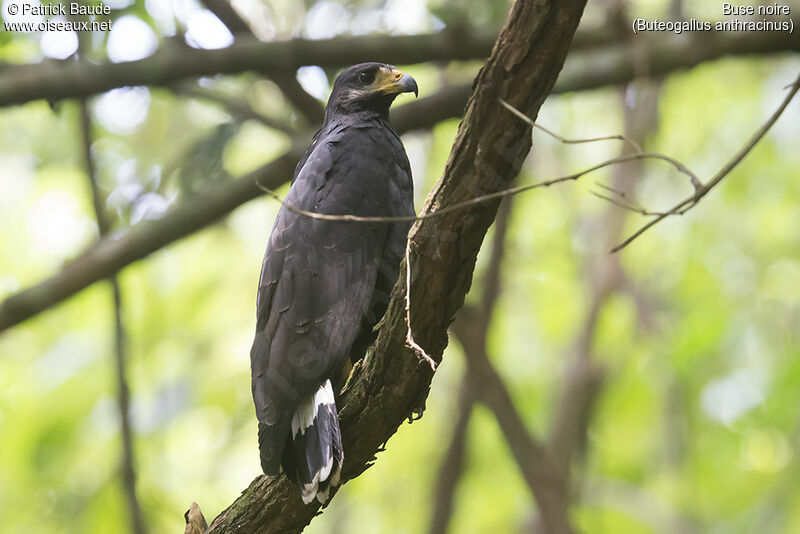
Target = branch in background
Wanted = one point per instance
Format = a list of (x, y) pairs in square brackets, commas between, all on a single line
[(613, 65), (471, 327), (306, 104), (479, 319), (109, 256), (225, 12), (487, 155), (584, 375), (659, 54), (120, 360), (239, 109), (632, 501), (112, 253), (452, 465), (581, 386), (55, 80)]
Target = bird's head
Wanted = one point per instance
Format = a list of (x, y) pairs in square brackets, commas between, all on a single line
[(369, 87)]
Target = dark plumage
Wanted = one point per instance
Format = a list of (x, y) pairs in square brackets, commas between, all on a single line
[(325, 284)]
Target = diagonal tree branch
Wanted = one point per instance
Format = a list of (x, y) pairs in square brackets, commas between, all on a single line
[(486, 156), (308, 106), (229, 16)]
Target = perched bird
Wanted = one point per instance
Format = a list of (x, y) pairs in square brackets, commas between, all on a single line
[(325, 284)]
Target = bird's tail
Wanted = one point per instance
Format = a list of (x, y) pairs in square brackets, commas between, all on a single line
[(316, 453)]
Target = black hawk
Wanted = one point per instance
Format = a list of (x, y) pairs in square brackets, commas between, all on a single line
[(325, 284)]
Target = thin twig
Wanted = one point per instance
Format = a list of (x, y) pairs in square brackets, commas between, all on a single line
[(625, 204), (637, 155), (473, 201), (693, 179), (567, 141), (623, 195), (688, 203)]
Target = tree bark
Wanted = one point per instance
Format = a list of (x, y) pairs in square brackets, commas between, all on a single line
[(488, 152)]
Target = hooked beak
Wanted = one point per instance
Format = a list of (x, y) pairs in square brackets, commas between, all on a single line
[(406, 83), (397, 82)]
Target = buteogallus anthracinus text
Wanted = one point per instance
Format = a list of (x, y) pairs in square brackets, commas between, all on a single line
[(325, 284)]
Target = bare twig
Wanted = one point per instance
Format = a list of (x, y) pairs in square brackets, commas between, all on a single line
[(623, 202), (638, 154), (475, 200), (701, 191), (123, 394), (636, 147)]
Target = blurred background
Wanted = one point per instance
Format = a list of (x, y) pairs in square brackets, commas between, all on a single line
[(686, 343)]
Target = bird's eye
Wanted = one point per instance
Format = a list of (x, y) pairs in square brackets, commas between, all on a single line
[(366, 77)]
